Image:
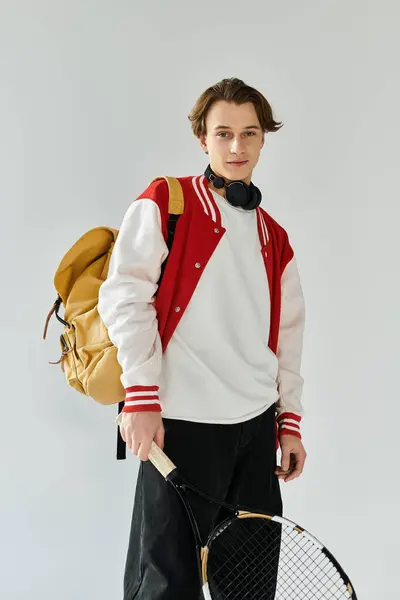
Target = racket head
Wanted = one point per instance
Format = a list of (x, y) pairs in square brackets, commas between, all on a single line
[(266, 557), (255, 556)]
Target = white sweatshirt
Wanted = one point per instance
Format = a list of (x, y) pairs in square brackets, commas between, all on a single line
[(217, 367)]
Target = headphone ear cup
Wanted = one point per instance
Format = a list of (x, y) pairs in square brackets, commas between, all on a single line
[(219, 182), (255, 198)]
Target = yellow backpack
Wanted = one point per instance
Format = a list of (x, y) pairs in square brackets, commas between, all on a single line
[(88, 357)]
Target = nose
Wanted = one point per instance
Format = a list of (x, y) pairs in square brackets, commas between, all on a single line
[(237, 146)]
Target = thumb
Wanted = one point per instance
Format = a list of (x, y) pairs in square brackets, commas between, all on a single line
[(285, 463), (159, 437)]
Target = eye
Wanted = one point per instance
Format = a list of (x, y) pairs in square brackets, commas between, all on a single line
[(251, 133), (222, 133)]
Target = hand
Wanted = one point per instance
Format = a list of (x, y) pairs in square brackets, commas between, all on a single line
[(293, 458), (139, 429)]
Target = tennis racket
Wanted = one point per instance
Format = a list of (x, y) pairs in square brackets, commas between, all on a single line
[(253, 556)]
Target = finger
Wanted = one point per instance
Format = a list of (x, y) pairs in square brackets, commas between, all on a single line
[(128, 437), (135, 445), (122, 431), (281, 474), (289, 470), (144, 449), (280, 471), (285, 462), (296, 472), (301, 460), (159, 438), (294, 475), (284, 474)]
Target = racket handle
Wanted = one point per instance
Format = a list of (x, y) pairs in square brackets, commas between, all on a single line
[(160, 460)]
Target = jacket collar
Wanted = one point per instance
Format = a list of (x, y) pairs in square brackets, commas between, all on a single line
[(204, 195)]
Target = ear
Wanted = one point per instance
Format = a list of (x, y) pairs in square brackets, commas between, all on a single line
[(203, 143)]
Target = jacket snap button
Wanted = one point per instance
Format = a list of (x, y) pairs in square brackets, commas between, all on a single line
[(177, 309), (197, 265), (216, 230)]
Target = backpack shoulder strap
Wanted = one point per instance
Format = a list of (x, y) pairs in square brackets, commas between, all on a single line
[(176, 203)]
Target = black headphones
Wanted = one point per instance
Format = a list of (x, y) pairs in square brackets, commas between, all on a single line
[(238, 193)]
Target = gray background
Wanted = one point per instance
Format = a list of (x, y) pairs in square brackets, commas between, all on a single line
[(94, 97)]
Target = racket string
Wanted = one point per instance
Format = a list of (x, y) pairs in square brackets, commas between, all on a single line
[(244, 576), (315, 559), (257, 559), (303, 572)]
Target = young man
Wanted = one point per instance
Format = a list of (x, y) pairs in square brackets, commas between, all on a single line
[(213, 363)]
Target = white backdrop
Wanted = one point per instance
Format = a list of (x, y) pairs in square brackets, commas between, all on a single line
[(94, 98)]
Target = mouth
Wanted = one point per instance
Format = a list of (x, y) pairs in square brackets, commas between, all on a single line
[(238, 163)]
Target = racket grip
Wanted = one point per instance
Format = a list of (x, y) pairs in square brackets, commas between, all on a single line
[(160, 460)]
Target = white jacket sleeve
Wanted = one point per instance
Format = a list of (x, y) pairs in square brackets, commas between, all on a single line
[(289, 352), (126, 303)]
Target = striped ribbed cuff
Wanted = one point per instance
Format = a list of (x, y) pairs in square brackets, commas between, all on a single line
[(140, 398), (289, 424)]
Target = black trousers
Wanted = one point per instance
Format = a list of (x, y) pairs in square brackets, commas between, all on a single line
[(234, 463)]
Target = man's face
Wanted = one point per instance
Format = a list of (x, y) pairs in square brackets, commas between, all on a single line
[(234, 140)]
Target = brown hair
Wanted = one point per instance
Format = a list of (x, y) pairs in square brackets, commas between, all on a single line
[(232, 90)]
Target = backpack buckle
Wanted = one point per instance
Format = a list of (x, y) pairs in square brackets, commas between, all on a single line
[(64, 352), (54, 309)]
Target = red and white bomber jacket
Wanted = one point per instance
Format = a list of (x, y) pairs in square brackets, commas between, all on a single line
[(198, 233)]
